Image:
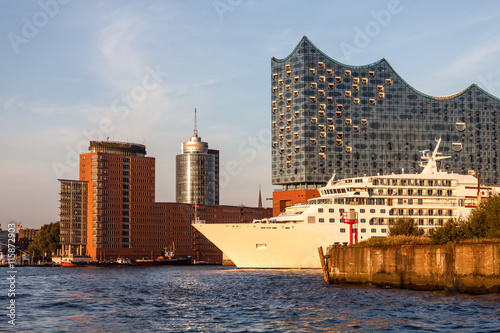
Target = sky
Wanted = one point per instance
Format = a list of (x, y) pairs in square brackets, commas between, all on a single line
[(72, 71)]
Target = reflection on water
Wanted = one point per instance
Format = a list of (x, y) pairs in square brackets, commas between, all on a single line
[(221, 299)]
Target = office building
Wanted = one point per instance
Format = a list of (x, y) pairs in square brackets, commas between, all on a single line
[(72, 216), (197, 173), (329, 117)]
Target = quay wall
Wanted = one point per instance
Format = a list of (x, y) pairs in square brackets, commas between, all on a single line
[(470, 268)]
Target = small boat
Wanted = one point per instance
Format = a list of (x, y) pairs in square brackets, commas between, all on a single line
[(68, 263), (119, 262), (168, 258), (164, 261)]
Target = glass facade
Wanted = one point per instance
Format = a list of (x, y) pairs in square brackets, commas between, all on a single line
[(197, 173), (328, 117), (73, 216), (195, 179)]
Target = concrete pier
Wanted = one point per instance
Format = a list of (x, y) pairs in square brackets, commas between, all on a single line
[(469, 267)]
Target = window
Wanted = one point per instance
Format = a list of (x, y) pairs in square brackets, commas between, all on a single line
[(342, 229), (362, 210), (382, 211), (372, 211), (363, 230), (321, 220), (331, 220), (363, 220), (331, 210), (383, 231), (374, 231), (320, 210)]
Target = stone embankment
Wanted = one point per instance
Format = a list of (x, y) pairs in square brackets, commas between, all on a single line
[(468, 267)]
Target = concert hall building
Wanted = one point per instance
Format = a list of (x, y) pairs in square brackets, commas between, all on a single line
[(329, 117)]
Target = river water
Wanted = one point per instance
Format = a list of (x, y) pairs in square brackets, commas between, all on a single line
[(223, 299)]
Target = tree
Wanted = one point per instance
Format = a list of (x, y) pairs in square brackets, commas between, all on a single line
[(46, 240), (451, 231), (483, 222), (404, 227)]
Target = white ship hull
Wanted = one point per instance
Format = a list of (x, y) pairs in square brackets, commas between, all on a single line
[(269, 245)]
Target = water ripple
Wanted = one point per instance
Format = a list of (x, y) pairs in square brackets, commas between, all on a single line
[(221, 299)]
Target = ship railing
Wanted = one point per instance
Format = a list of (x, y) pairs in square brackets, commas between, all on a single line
[(428, 204), (198, 221), (290, 213)]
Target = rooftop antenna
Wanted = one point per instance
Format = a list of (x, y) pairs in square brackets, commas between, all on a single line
[(195, 127)]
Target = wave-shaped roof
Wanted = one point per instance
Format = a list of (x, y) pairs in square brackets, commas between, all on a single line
[(384, 61)]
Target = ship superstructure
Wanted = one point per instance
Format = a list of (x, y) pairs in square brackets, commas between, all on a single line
[(290, 240)]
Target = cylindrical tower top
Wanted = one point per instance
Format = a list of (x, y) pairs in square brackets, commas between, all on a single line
[(195, 146)]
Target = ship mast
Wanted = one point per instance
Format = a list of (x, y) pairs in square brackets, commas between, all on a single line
[(431, 166)]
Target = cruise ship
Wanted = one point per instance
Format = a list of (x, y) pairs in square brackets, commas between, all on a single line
[(291, 239)]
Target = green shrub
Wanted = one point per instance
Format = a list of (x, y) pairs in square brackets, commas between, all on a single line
[(451, 231), (483, 222), (404, 227)]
